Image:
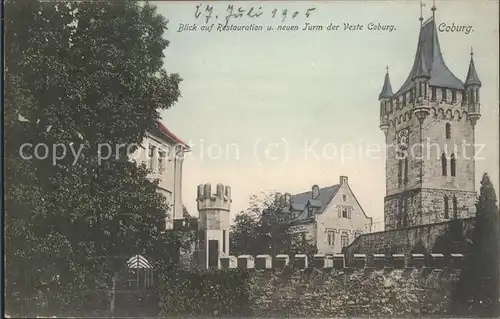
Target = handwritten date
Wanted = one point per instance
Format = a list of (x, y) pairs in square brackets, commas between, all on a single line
[(232, 12)]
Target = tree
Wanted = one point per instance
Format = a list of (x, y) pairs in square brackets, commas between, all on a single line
[(478, 287), (81, 79), (266, 228)]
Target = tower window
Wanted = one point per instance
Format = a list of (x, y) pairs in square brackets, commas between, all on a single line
[(446, 215), (433, 93), (455, 204), (344, 197), (448, 131), (453, 96), (443, 164), (224, 241), (405, 180), (404, 99), (400, 172), (411, 96), (405, 211), (443, 96), (453, 165), (477, 95)]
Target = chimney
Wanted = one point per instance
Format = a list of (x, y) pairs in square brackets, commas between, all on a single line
[(343, 180), (315, 191)]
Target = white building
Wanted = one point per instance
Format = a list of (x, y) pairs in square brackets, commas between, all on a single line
[(330, 217), (163, 153)]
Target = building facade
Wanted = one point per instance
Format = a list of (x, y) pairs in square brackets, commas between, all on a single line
[(329, 217), (429, 129), (163, 154)]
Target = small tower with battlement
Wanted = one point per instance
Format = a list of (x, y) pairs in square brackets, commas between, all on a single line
[(213, 224)]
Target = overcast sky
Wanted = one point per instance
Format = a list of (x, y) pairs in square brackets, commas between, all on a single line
[(295, 90)]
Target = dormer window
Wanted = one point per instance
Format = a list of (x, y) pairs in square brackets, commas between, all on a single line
[(310, 211)]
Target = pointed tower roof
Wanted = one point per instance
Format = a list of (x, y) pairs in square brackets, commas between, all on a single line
[(472, 77), (422, 70), (386, 92), (429, 51)]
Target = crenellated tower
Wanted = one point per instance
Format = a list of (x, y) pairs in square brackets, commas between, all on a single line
[(429, 128), (213, 224)]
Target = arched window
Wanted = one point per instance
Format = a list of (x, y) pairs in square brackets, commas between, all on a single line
[(400, 171), (448, 131), (453, 165), (443, 164), (405, 180), (455, 207), (446, 214)]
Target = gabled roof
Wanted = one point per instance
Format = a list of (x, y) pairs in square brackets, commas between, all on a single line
[(429, 51), (300, 201), (171, 136)]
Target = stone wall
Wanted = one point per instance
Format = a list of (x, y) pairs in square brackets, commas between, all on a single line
[(285, 286), (404, 241)]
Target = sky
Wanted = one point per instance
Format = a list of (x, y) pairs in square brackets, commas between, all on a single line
[(284, 110)]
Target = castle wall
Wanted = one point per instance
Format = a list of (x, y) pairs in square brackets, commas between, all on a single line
[(404, 240)]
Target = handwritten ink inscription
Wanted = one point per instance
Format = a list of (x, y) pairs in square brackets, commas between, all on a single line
[(209, 18), (206, 12)]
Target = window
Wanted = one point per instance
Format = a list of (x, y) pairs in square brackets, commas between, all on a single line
[(446, 215), (344, 239), (404, 99), (161, 161), (405, 180), (405, 211), (453, 96), (455, 208), (443, 164), (452, 165), (224, 241), (448, 131), (310, 211), (399, 212), (443, 96), (411, 96), (151, 157), (344, 212), (400, 172), (477, 95), (344, 198), (331, 238), (433, 93)]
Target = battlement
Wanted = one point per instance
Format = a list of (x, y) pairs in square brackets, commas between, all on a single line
[(434, 261), (220, 200)]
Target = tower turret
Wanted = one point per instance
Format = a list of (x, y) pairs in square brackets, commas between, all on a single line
[(385, 97), (213, 225), (421, 82), (472, 86)]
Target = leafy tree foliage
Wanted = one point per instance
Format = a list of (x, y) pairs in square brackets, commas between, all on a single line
[(79, 76), (266, 228), (478, 288)]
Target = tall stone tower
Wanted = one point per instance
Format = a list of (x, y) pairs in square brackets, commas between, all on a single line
[(429, 128), (213, 224)]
